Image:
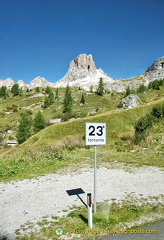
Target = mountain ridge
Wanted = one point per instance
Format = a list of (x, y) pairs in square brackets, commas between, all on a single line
[(82, 72)]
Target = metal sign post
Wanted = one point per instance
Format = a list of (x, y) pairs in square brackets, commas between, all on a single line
[(95, 172), (95, 135)]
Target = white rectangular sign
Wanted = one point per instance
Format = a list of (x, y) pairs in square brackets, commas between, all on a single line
[(95, 133)]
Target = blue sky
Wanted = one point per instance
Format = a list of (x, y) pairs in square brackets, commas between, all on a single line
[(41, 37)]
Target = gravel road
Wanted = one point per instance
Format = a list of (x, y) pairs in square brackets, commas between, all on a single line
[(31, 200)]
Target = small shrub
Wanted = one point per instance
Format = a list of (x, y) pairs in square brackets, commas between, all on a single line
[(120, 146), (142, 88), (142, 126), (158, 111), (2, 114), (15, 109)]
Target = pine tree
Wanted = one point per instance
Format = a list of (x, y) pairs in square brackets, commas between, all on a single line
[(51, 97), (82, 101), (46, 102), (100, 90), (48, 99), (155, 85), (3, 91), (39, 122), (68, 101), (47, 90), (57, 93), (142, 88), (24, 128), (128, 91), (15, 89)]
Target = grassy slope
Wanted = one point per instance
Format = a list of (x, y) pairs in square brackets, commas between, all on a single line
[(38, 149), (117, 122)]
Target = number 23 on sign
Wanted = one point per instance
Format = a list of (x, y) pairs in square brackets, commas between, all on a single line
[(95, 133)]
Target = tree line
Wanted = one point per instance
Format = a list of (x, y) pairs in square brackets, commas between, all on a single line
[(142, 88)]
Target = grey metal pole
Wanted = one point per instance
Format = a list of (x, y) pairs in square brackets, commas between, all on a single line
[(94, 178)]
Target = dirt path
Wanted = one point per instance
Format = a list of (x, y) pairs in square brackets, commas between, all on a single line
[(31, 200)]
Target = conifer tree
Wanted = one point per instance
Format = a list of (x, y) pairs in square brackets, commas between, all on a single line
[(3, 91), (51, 97), (39, 122), (47, 90), (24, 128), (68, 101), (82, 99), (57, 93), (46, 102), (142, 88), (15, 89), (48, 99), (100, 90), (128, 91)]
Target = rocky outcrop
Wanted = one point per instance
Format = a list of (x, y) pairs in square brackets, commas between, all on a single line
[(82, 66), (155, 71), (131, 101), (36, 82), (22, 84), (39, 82), (82, 72), (8, 83)]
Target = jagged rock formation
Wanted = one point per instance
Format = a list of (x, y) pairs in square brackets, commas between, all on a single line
[(36, 82), (39, 82), (82, 72), (7, 82), (81, 67), (155, 71), (131, 101), (123, 84), (22, 84)]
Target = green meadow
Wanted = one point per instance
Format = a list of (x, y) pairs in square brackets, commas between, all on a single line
[(62, 144)]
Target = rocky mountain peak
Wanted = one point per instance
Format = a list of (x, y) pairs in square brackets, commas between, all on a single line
[(22, 84), (79, 68), (155, 71), (83, 62), (39, 82), (82, 72), (7, 82)]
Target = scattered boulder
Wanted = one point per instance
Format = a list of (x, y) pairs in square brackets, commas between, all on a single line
[(131, 101)]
